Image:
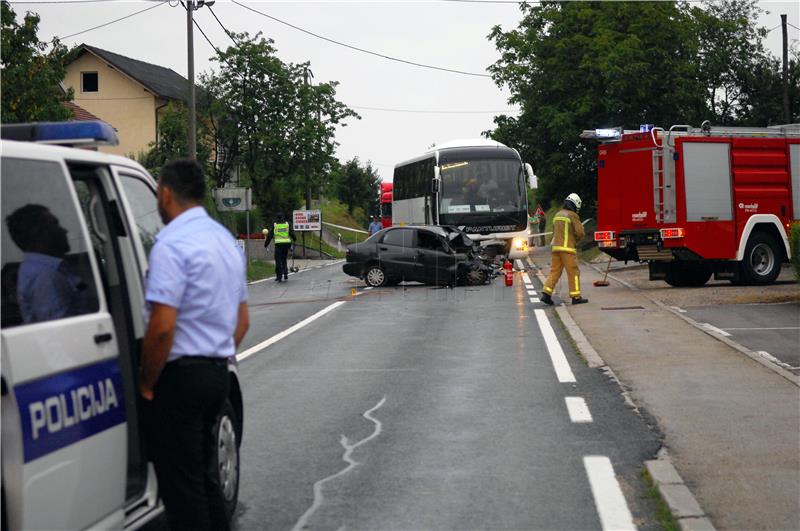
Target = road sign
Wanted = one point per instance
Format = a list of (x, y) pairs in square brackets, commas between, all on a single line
[(233, 199), (307, 220)]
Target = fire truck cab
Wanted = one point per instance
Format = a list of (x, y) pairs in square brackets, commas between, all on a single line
[(692, 202)]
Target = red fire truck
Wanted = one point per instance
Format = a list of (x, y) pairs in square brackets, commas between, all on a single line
[(692, 202), (386, 204)]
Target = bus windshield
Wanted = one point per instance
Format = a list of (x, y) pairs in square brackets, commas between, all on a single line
[(482, 186)]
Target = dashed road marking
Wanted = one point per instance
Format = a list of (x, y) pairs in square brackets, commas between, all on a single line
[(608, 498), (774, 328), (292, 329), (525, 278), (560, 364), (534, 299), (578, 410)]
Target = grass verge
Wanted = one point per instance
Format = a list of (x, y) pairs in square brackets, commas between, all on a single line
[(312, 242), (663, 514), (258, 269)]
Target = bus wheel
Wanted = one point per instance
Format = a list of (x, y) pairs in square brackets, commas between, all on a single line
[(226, 457), (375, 276), (762, 262)]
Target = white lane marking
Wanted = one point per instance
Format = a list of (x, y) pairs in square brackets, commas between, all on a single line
[(577, 408), (678, 309), (292, 273), (351, 464), (292, 329), (530, 262), (713, 328), (534, 299), (531, 291), (518, 265), (608, 498), (560, 364), (525, 278), (775, 328)]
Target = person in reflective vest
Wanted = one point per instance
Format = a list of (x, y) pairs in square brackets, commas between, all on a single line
[(283, 234), (567, 232)]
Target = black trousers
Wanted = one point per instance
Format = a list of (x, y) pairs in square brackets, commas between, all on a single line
[(189, 396), (281, 253)]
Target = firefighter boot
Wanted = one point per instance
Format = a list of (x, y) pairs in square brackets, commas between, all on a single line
[(579, 300), (547, 299)]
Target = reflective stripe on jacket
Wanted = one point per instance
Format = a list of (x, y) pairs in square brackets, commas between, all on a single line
[(567, 231), (282, 233)]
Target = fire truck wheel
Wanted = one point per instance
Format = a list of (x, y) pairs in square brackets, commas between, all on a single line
[(762, 259)]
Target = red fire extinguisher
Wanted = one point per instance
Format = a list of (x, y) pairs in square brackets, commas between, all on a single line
[(509, 269)]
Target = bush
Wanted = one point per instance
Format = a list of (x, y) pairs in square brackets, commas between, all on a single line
[(794, 241)]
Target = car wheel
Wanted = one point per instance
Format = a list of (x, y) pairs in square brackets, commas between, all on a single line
[(375, 276), (226, 457), (476, 277), (762, 260)]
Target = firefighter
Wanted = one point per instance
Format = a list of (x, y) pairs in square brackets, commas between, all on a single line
[(567, 232)]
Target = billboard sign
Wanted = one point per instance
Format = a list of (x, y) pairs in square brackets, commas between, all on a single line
[(307, 220)]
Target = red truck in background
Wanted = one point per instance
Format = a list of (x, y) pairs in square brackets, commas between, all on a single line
[(386, 204), (692, 202)]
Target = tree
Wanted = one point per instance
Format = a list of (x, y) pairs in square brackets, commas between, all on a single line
[(579, 65), (357, 186), (172, 141), (31, 76), (264, 118)]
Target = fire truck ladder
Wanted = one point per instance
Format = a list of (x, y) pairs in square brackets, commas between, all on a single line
[(663, 176)]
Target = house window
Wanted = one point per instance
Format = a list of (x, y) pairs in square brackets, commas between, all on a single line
[(88, 81)]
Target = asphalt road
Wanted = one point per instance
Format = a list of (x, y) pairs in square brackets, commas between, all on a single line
[(423, 408), (770, 328)]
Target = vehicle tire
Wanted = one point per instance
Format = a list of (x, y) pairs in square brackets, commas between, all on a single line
[(375, 276), (475, 277), (226, 457), (762, 260)]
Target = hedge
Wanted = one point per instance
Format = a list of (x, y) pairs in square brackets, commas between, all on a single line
[(794, 241)]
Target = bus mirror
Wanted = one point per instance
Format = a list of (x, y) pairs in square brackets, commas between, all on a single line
[(435, 186), (533, 182)]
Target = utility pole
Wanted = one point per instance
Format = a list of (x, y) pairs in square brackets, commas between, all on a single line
[(786, 115), (192, 133), (306, 73)]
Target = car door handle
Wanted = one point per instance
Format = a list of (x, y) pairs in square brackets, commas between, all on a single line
[(383, 248), (103, 338)]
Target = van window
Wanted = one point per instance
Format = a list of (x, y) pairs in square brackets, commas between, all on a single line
[(144, 207), (46, 271)]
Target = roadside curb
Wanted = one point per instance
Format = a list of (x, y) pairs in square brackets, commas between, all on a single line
[(671, 487), (676, 495), (755, 356)]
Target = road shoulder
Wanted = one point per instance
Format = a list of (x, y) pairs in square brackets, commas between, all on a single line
[(731, 426)]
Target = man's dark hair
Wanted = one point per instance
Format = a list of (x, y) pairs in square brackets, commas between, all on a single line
[(24, 222), (185, 178)]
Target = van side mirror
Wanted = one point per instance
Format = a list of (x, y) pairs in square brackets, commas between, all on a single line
[(533, 182)]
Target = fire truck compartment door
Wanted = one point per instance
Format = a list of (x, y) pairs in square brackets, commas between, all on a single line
[(794, 157), (707, 181)]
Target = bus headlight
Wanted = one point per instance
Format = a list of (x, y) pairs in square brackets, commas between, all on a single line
[(520, 244)]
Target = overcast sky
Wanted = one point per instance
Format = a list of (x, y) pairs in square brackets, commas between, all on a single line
[(435, 32)]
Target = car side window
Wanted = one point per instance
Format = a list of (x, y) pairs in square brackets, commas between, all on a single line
[(46, 270), (428, 240), (399, 237), (144, 207)]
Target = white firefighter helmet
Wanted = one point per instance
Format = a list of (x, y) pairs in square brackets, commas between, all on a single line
[(575, 199)]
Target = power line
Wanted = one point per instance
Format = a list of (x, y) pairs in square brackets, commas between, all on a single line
[(431, 111), (113, 21), (61, 2), (350, 46), (792, 25), (221, 25)]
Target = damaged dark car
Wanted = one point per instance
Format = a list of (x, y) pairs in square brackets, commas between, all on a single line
[(428, 254)]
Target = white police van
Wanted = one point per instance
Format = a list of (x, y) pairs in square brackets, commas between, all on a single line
[(74, 454)]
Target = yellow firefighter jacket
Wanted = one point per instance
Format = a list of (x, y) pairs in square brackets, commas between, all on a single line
[(567, 231)]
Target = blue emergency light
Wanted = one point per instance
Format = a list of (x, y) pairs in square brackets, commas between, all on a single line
[(75, 133)]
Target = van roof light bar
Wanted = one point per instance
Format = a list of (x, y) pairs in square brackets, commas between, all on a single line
[(74, 134)]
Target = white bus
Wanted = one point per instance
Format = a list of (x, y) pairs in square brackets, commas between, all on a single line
[(476, 185)]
